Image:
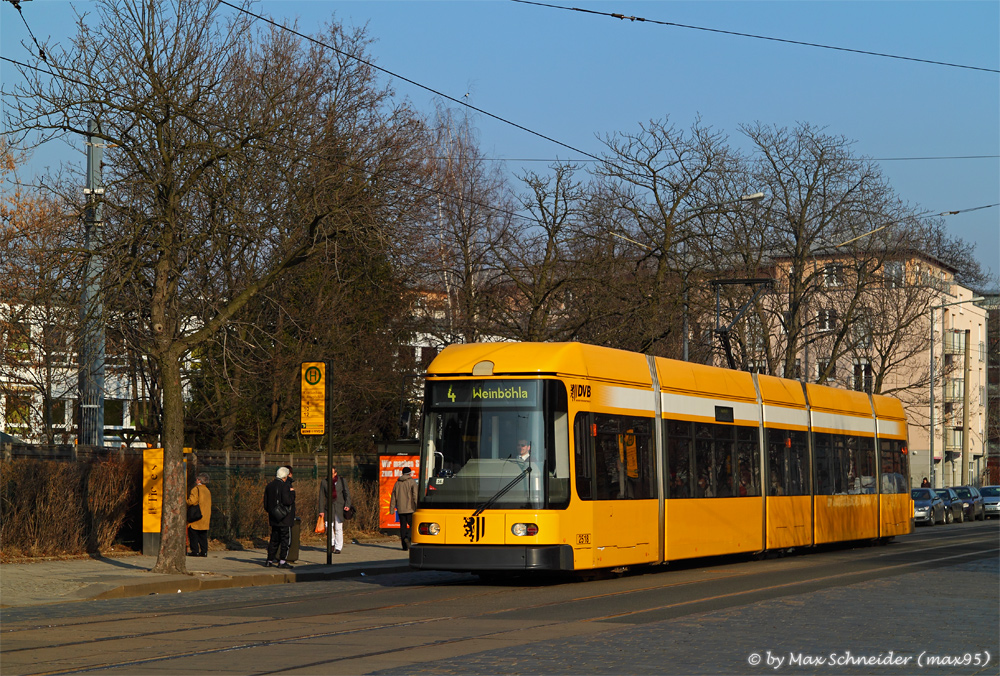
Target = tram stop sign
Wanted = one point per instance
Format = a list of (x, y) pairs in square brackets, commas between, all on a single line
[(313, 408)]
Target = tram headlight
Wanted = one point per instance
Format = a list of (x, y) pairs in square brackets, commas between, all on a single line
[(522, 529), (429, 528)]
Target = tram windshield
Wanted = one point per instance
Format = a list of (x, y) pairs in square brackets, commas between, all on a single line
[(499, 443)]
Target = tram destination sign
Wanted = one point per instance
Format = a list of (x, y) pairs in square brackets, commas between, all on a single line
[(484, 393)]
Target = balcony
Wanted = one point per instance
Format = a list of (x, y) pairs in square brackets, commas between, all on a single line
[(954, 390), (953, 441), (954, 342)]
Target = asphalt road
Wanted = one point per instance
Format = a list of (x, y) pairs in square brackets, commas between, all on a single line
[(926, 603)]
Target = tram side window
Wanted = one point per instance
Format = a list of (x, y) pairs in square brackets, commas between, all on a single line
[(678, 460), (583, 456), (826, 455), (895, 466), (713, 452), (864, 479), (844, 464), (623, 462), (787, 462), (748, 462), (708, 460)]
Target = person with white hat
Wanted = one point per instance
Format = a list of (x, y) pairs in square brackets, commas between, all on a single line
[(279, 503)]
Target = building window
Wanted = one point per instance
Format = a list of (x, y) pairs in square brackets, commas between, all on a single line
[(18, 343), (17, 413), (861, 331), (827, 320), (56, 413), (833, 275), (893, 274), (755, 335), (862, 376), (114, 412), (828, 367)]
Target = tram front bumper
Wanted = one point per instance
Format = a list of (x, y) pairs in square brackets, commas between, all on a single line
[(491, 557)]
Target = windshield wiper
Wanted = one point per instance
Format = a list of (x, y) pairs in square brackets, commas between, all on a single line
[(503, 491)]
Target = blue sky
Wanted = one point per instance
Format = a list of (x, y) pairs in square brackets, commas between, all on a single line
[(573, 76)]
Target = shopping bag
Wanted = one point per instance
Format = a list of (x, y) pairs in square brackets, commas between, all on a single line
[(320, 524)]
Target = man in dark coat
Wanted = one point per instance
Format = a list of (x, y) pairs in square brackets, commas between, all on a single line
[(404, 501), (279, 503)]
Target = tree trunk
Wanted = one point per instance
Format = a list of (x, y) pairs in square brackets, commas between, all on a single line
[(173, 525)]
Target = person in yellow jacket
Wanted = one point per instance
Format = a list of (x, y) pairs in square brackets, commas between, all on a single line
[(198, 530)]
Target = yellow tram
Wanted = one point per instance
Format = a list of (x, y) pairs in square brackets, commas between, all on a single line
[(565, 456)]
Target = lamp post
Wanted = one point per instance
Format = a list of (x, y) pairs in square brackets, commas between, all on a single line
[(931, 430)]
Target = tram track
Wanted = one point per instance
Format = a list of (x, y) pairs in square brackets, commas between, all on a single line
[(808, 573)]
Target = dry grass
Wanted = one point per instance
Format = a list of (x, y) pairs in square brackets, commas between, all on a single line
[(49, 508), (249, 521)]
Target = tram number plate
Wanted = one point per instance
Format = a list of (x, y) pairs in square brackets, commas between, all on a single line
[(583, 538)]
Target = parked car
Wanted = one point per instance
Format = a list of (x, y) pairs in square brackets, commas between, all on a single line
[(954, 510), (991, 501), (927, 506), (972, 502)]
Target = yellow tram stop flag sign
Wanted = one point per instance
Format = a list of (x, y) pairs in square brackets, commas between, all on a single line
[(313, 410)]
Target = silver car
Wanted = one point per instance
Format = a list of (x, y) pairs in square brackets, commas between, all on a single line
[(991, 501), (927, 506)]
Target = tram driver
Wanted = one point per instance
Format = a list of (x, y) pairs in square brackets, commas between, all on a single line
[(523, 450)]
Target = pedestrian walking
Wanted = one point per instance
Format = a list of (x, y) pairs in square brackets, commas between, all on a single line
[(198, 530), (404, 502), (341, 504), (279, 503)]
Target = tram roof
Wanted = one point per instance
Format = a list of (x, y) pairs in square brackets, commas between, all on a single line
[(565, 359), (611, 365)]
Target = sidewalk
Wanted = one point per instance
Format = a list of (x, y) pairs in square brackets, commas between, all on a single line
[(30, 584)]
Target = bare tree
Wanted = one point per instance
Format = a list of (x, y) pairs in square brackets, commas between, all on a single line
[(849, 305), (233, 157), (534, 255), (469, 210), (39, 263), (662, 180)]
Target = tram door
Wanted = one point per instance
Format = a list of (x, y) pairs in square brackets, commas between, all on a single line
[(616, 476)]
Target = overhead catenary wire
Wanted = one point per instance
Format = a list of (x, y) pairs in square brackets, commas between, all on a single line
[(590, 157), (801, 43), (17, 6), (557, 160), (460, 102)]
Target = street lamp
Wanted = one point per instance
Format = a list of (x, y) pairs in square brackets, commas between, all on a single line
[(933, 308)]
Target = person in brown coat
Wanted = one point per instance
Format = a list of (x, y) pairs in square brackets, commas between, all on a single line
[(198, 530), (404, 501)]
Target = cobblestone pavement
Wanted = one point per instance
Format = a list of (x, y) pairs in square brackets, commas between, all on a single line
[(905, 622), (83, 578)]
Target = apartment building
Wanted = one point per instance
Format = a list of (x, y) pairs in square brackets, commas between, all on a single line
[(901, 327), (39, 379)]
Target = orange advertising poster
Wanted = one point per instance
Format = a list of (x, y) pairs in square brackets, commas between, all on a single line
[(389, 469), (152, 489)]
